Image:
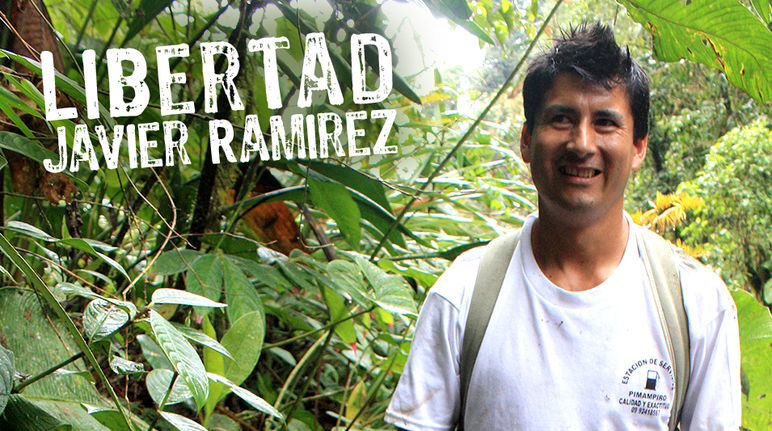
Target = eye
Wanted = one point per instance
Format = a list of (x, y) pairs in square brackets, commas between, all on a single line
[(605, 124), (560, 120)]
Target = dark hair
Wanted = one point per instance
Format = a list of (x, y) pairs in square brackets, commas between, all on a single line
[(590, 52)]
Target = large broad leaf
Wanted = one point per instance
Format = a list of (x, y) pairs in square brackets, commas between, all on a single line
[(101, 319), (181, 297), (7, 371), (756, 346), (347, 280), (205, 278), (22, 415), (244, 340), (182, 356), (175, 261), (336, 201), (202, 339), (242, 297), (158, 382), (250, 398), (181, 422), (152, 353), (722, 34), (391, 292), (113, 420), (22, 319)]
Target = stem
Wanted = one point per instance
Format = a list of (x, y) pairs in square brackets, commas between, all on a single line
[(309, 333), (466, 135), (299, 395), (85, 23), (42, 290), (163, 402), (20, 387)]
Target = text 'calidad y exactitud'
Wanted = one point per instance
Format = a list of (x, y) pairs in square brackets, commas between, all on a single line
[(311, 135)]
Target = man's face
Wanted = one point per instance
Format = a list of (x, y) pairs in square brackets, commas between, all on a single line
[(581, 149)]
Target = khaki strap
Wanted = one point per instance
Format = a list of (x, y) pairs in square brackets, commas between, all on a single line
[(490, 276), (661, 265)]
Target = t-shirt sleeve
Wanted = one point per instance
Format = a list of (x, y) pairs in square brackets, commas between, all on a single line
[(427, 395), (713, 399)]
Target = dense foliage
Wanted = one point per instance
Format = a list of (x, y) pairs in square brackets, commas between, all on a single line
[(281, 294)]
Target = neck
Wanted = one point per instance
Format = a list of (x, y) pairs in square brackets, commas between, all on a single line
[(579, 257)]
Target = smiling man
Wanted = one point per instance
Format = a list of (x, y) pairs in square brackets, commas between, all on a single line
[(580, 334)]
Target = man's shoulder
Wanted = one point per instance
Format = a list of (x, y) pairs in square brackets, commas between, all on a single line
[(455, 285)]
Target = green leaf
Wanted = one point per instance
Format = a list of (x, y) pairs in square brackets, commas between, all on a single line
[(182, 356), (202, 339), (7, 371), (88, 246), (336, 201), (158, 382), (181, 297), (152, 353), (242, 297), (250, 398), (722, 34), (22, 415), (147, 10), (27, 229), (391, 293), (205, 278), (101, 319), (764, 9), (112, 419), (348, 281), (755, 324), (244, 340), (181, 422), (345, 330), (124, 366), (213, 363), (175, 261), (218, 422)]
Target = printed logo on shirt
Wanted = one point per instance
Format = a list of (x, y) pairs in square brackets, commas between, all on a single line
[(647, 386)]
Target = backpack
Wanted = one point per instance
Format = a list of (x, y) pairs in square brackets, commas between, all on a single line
[(661, 264)]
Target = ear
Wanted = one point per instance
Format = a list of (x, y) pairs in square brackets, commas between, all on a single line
[(525, 143), (640, 147)]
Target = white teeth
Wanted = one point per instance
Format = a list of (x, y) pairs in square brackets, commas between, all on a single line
[(579, 172)]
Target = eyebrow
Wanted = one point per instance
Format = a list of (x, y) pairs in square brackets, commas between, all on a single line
[(612, 114)]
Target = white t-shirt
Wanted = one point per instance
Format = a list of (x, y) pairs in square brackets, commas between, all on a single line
[(553, 359)]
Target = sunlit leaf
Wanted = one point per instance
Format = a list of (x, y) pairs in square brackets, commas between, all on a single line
[(158, 382), (336, 201), (182, 356), (250, 398), (181, 422), (722, 34), (101, 319), (202, 339), (181, 297), (244, 340), (122, 366), (7, 371), (242, 297)]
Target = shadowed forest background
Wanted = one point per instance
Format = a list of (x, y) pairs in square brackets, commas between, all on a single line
[(283, 294)]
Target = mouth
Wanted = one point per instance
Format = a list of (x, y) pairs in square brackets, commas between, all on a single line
[(579, 172)]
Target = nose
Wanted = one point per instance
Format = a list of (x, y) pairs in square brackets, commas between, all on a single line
[(581, 141)]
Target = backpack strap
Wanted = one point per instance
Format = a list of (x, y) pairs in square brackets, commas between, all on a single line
[(661, 265), (490, 275)]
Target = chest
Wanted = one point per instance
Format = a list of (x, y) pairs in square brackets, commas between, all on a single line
[(544, 364)]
